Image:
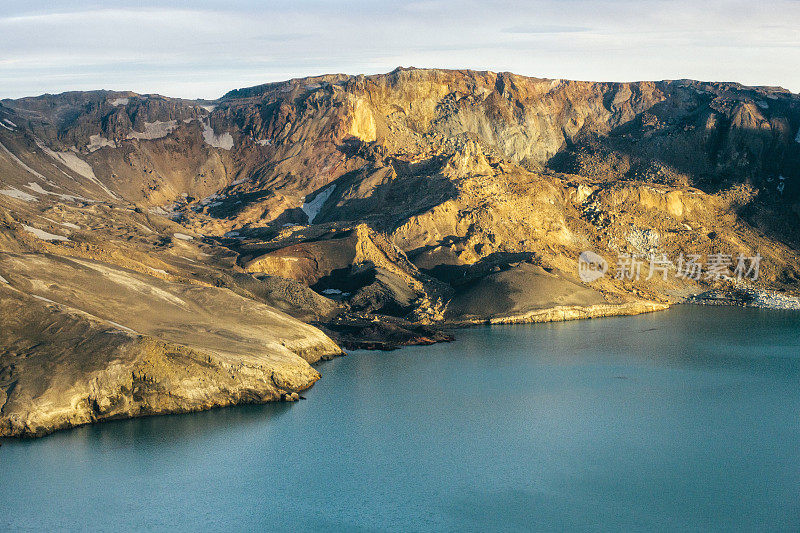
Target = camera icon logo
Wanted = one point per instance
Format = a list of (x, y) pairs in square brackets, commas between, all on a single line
[(591, 266)]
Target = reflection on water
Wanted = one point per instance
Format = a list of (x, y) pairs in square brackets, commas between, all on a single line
[(683, 419)]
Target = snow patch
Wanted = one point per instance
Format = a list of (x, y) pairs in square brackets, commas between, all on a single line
[(331, 291), (98, 141), (75, 164), (154, 130), (45, 236), (7, 127), (231, 234), (263, 142), (312, 208), (797, 137), (10, 123), (70, 225), (224, 140), (183, 236), (3, 280), (119, 101), (35, 187), (78, 166), (18, 194), (120, 326), (42, 298)]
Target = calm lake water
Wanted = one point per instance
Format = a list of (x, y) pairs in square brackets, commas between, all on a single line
[(685, 419)]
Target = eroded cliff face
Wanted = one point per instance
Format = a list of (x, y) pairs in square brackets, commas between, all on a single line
[(69, 360), (376, 207)]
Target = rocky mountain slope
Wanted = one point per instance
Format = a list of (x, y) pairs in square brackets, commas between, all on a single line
[(380, 209)]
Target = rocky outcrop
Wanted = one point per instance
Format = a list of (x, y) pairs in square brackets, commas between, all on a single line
[(83, 342), (562, 313), (747, 297)]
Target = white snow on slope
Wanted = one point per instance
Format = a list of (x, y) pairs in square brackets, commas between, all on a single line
[(119, 101), (312, 208), (6, 127), (35, 187), (183, 236), (124, 328), (77, 165), (18, 194), (10, 123), (45, 236), (154, 130), (224, 140), (98, 141), (3, 280)]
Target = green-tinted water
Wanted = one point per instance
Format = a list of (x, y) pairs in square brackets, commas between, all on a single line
[(686, 419)]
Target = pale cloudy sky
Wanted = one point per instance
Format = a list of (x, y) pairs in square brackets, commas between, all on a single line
[(202, 49)]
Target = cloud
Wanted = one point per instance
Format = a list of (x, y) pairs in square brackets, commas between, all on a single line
[(546, 29), (202, 49)]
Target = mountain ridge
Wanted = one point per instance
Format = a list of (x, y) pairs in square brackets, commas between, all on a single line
[(384, 209)]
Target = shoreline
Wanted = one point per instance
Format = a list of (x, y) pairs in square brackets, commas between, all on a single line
[(565, 313), (747, 297), (553, 314)]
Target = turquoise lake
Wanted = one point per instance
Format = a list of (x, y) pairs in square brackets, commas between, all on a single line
[(688, 419)]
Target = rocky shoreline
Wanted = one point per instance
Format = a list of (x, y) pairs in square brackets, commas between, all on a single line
[(353, 332), (152, 365), (67, 361), (747, 297), (150, 377), (574, 312)]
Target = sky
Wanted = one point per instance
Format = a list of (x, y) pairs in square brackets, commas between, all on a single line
[(202, 49)]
